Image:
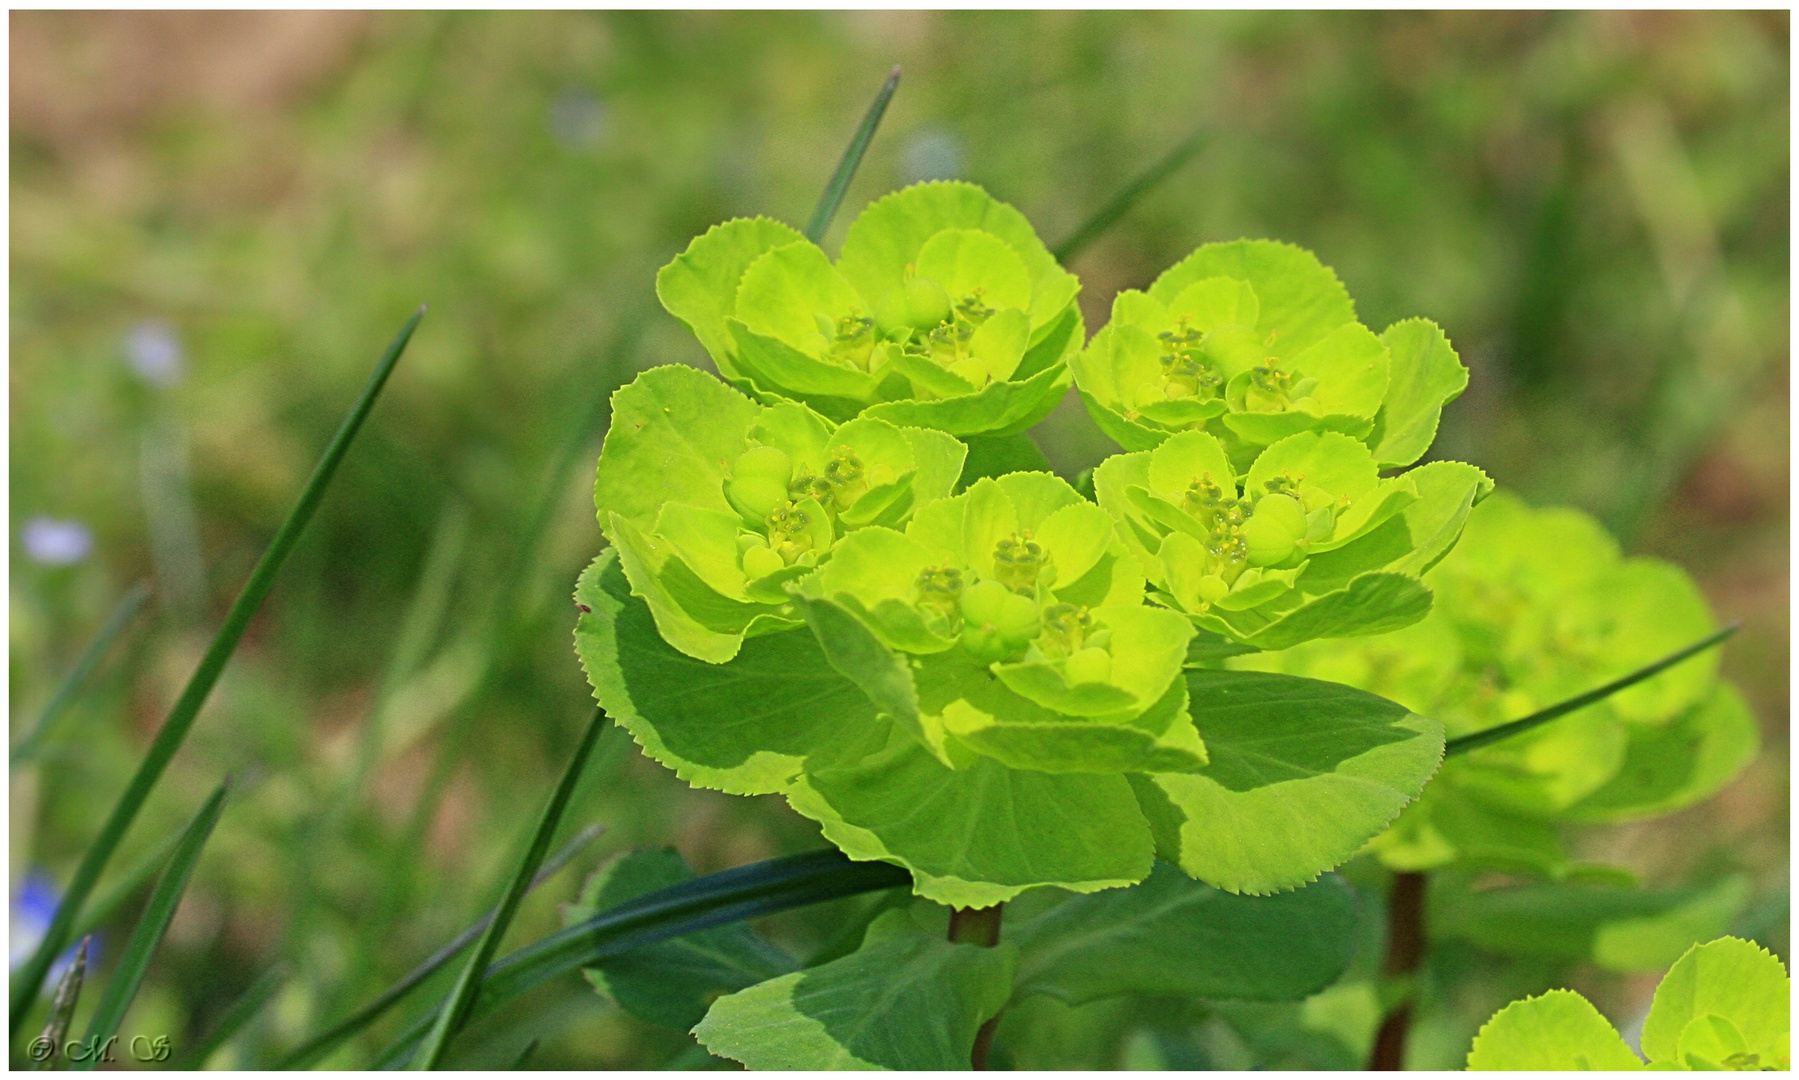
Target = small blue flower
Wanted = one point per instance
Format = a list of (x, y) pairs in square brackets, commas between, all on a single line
[(32, 909), (154, 353), (56, 543)]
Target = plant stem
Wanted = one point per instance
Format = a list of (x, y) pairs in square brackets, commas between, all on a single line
[(978, 926), (1405, 954)]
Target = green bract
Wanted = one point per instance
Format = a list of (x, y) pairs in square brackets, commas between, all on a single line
[(1534, 607), (1018, 618), (943, 310), (1255, 341), (1309, 541), (1722, 1008), (716, 503)]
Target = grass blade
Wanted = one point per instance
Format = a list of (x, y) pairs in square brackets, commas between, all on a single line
[(242, 1011), (319, 1045), (524, 1056), (456, 1007), (127, 609), (747, 892), (852, 158), (199, 687), (1107, 216), (142, 872), (135, 960), (62, 1009), (1555, 712)]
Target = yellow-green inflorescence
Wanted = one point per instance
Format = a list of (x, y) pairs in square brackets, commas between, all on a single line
[(944, 310), (717, 503), (1022, 582), (1253, 341)]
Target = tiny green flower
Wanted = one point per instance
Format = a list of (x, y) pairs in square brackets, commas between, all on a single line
[(1240, 554), (1022, 581), (716, 503)]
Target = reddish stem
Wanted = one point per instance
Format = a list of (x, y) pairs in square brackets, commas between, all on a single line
[(1405, 954)]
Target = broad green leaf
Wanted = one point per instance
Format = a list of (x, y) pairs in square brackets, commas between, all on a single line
[(837, 391), (1413, 540), (784, 292), (963, 260), (904, 1000), (1298, 297), (700, 286), (673, 982), (1620, 929), (674, 432), (1426, 374), (1171, 935), (1721, 992), (1372, 603), (979, 836), (745, 727), (1412, 666), (1302, 774), (892, 231), (940, 463), (998, 409), (1348, 365), (1559, 1031), (688, 613), (1683, 762), (1054, 343)]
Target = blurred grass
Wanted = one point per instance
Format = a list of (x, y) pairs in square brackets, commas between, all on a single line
[(1594, 206)]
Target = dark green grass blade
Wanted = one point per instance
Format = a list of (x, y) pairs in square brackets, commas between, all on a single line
[(135, 960), (71, 684), (62, 1008), (323, 1043), (242, 1011), (1574, 704), (455, 1009), (181, 718), (524, 1056), (852, 158), (133, 881), (747, 892), (1107, 216)]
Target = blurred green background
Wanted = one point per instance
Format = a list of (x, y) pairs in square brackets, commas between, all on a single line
[(218, 219)]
